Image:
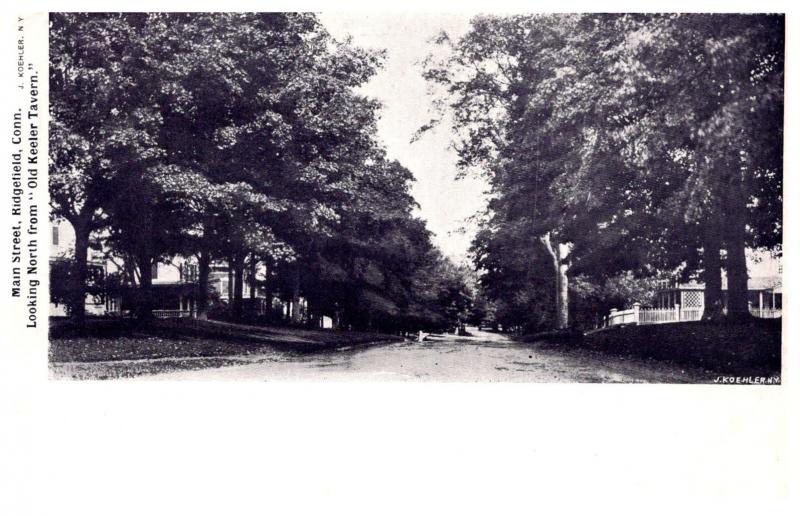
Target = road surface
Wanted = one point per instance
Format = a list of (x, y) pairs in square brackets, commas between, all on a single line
[(481, 357)]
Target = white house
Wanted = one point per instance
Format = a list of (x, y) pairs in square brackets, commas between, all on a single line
[(174, 282), (675, 301)]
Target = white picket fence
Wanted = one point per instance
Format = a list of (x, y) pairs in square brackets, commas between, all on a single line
[(639, 315), (668, 315), (168, 314)]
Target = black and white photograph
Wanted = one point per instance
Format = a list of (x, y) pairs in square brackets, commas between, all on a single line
[(293, 258), (497, 198)]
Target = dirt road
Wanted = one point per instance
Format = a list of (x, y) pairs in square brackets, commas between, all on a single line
[(481, 357)]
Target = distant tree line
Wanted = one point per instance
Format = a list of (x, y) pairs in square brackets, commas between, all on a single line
[(618, 147), (238, 138)]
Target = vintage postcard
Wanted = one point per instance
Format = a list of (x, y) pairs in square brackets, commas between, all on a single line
[(215, 199), (535, 198)]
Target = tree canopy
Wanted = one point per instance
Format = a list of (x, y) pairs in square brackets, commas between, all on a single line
[(238, 137), (619, 143)]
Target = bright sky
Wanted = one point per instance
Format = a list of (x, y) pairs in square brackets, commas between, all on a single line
[(445, 203)]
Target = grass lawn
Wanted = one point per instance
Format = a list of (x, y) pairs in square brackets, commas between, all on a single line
[(751, 348), (109, 339)]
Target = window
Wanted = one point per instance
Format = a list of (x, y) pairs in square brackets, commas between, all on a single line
[(55, 235), (188, 272), (154, 271)]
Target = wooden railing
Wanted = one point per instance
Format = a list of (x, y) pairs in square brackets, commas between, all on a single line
[(766, 313), (617, 317)]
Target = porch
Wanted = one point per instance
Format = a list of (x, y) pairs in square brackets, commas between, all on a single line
[(174, 299)]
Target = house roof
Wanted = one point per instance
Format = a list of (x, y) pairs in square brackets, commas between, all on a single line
[(758, 283)]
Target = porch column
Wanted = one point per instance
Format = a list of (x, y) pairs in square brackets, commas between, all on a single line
[(760, 302)]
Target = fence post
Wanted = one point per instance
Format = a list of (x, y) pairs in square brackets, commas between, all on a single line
[(611, 316), (636, 307), (677, 311)]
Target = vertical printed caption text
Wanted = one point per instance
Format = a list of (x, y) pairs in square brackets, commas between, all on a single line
[(25, 133)]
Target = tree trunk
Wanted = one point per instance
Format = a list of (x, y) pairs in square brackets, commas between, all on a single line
[(712, 269), (736, 263), (559, 253), (78, 288), (204, 270), (295, 315), (144, 305), (563, 268), (230, 281), (238, 277), (311, 317), (130, 271), (557, 277), (337, 318), (252, 275)]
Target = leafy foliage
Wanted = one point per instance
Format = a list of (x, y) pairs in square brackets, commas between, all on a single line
[(241, 137), (628, 138)]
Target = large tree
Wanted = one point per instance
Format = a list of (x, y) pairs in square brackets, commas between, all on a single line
[(721, 114), (600, 137), (246, 141), (287, 124), (98, 120), (256, 110)]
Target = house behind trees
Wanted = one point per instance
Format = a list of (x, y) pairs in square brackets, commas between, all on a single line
[(175, 284)]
